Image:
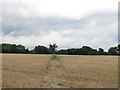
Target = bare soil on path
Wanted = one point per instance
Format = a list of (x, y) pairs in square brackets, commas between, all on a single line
[(55, 75)]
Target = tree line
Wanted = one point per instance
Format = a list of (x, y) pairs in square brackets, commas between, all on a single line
[(85, 50)]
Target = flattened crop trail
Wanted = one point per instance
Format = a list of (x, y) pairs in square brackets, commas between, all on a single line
[(54, 75)]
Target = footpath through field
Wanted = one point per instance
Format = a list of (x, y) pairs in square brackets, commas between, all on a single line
[(55, 75)]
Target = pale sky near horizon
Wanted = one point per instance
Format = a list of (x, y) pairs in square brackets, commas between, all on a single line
[(68, 23)]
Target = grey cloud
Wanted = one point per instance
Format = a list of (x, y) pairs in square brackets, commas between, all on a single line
[(23, 26), (97, 30)]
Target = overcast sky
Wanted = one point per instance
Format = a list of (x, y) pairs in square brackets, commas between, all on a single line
[(68, 23)]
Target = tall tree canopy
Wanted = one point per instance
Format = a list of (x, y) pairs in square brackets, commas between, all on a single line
[(53, 47), (41, 50), (12, 48), (85, 50), (113, 51), (118, 49)]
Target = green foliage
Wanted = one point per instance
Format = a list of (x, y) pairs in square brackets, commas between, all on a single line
[(113, 51), (85, 50), (118, 49), (13, 48), (62, 52), (71, 51), (41, 50), (54, 57), (45, 81), (101, 51), (61, 84), (53, 47)]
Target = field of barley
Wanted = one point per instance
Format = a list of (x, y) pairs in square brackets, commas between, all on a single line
[(67, 71)]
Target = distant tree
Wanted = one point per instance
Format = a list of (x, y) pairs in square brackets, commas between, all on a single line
[(71, 51), (94, 52), (20, 49), (101, 51), (113, 51), (0, 48), (78, 51), (118, 49), (62, 52), (53, 47), (27, 50), (13, 48), (106, 53), (41, 50), (5, 48), (87, 50), (32, 51)]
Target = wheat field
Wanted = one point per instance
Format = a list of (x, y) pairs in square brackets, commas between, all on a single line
[(69, 71)]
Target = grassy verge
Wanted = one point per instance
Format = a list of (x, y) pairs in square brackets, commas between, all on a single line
[(54, 57)]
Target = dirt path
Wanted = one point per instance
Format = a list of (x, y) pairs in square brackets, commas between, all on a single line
[(55, 75)]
